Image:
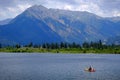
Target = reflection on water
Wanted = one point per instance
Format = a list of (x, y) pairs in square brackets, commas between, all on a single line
[(35, 66)]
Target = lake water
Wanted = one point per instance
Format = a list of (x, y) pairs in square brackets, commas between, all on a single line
[(24, 66)]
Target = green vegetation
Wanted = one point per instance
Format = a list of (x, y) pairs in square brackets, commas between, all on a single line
[(63, 47)]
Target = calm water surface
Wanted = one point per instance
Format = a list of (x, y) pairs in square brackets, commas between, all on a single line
[(23, 66)]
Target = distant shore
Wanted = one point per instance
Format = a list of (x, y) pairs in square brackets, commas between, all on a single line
[(63, 47), (62, 50)]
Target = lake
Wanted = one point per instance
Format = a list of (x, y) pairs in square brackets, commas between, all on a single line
[(46, 66)]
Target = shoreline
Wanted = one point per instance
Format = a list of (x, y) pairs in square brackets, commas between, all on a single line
[(62, 51)]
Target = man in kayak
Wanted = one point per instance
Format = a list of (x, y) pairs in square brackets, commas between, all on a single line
[(90, 68)]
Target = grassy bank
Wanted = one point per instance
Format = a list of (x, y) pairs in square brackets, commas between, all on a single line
[(61, 50)]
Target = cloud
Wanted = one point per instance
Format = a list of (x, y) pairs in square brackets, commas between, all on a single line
[(116, 13), (110, 4), (6, 3), (105, 8), (11, 8)]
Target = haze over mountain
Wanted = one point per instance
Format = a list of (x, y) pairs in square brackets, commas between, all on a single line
[(39, 24), (6, 21)]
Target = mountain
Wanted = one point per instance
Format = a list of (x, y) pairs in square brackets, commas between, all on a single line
[(39, 24), (115, 40), (6, 21), (114, 19)]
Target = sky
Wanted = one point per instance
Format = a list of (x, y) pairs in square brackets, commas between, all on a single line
[(103, 8)]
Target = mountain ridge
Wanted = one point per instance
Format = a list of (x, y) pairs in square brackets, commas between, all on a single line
[(6, 21), (39, 24)]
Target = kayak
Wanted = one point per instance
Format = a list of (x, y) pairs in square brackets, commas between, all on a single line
[(93, 70)]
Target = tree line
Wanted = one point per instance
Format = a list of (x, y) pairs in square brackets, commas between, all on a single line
[(94, 45)]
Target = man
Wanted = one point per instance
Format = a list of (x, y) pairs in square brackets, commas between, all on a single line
[(90, 68)]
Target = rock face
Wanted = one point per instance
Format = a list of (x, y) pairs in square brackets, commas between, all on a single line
[(39, 25)]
